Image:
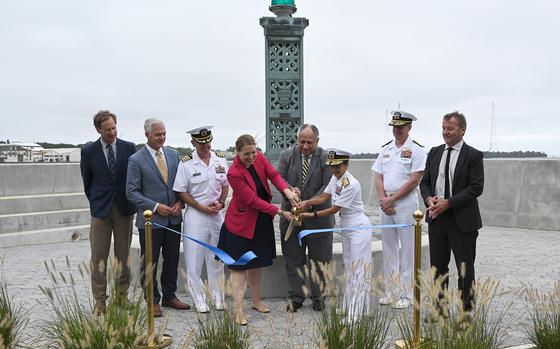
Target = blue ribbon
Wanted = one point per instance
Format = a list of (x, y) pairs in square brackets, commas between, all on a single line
[(306, 232), (222, 255)]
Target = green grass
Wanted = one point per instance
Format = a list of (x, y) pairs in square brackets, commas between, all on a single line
[(544, 311)]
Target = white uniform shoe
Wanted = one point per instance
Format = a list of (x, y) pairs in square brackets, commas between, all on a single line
[(201, 308), (385, 300), (219, 306), (401, 303)]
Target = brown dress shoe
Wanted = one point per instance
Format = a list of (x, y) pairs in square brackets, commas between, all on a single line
[(157, 311), (175, 303)]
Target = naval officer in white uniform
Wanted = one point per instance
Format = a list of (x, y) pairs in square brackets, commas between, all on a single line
[(346, 194), (202, 184), (398, 171)]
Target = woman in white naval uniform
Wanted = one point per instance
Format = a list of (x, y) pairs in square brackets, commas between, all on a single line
[(202, 184), (346, 194)]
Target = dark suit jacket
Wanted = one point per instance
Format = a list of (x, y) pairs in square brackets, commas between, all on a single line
[(145, 186), (468, 183), (245, 204), (318, 177), (100, 187)]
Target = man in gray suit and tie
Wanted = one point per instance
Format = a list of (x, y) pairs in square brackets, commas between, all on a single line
[(303, 168), (149, 185)]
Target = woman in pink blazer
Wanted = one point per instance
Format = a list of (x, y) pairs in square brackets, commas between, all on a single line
[(248, 222)]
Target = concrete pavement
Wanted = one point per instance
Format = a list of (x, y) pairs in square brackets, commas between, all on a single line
[(512, 256)]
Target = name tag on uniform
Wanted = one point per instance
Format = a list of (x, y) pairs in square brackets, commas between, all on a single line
[(386, 156), (338, 190), (196, 174), (220, 169)]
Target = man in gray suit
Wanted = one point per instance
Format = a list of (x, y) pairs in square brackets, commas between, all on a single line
[(149, 185), (303, 168)]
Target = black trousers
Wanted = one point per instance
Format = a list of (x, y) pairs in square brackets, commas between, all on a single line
[(169, 244), (446, 237), (319, 250)]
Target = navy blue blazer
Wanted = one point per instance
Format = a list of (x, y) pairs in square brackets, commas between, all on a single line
[(99, 185)]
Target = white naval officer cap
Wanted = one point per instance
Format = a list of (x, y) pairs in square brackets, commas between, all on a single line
[(201, 134), (336, 156), (399, 118)]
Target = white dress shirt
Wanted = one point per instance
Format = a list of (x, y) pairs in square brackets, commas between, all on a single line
[(440, 181)]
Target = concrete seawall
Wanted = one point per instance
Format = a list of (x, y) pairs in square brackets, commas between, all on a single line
[(518, 193)]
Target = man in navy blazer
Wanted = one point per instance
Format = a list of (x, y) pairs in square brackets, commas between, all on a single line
[(151, 174), (104, 165), (452, 182)]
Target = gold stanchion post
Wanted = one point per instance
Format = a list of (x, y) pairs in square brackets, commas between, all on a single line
[(151, 341), (401, 343)]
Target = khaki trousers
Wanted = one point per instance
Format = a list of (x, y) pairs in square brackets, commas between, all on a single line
[(101, 230)]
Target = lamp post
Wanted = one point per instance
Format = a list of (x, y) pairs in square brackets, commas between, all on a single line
[(283, 75)]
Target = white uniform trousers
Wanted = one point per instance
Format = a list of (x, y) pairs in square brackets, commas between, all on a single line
[(205, 228), (397, 275), (356, 253)]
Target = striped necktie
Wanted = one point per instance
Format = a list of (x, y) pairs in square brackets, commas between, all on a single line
[(304, 169), (111, 161), (162, 166)]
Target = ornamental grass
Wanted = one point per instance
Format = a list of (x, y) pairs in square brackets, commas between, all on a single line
[(336, 329), (218, 330), (13, 318), (446, 325), (543, 329), (73, 324)]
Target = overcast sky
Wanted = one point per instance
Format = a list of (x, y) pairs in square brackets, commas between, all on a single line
[(193, 63)]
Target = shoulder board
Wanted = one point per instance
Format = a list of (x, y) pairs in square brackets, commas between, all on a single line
[(221, 155), (386, 143), (420, 145), (345, 182), (186, 158)]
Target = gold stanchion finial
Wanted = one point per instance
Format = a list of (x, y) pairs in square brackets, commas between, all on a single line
[(418, 215), (148, 215)]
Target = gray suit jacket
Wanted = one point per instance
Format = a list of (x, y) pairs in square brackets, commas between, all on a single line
[(145, 186), (318, 176)]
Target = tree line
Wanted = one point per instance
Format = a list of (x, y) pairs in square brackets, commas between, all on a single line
[(189, 150)]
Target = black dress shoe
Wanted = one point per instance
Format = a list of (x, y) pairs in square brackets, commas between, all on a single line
[(318, 305), (293, 306)]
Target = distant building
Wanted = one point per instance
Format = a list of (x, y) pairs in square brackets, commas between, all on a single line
[(32, 152), (20, 152), (61, 155)]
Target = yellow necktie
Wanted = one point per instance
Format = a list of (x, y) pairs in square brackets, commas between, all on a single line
[(162, 166)]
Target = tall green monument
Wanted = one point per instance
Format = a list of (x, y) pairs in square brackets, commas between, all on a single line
[(284, 75)]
